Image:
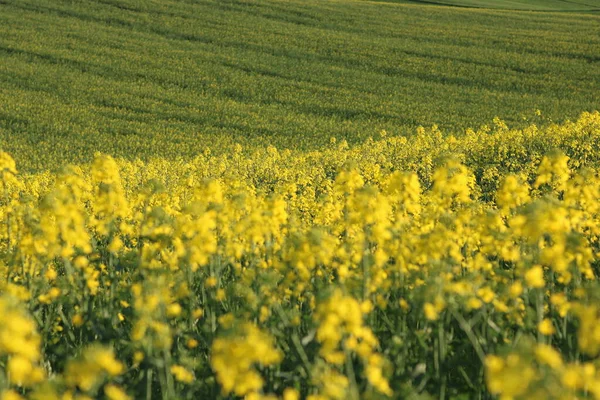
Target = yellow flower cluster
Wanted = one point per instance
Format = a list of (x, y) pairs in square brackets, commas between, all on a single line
[(431, 264), (539, 372), (233, 360), (341, 333), (19, 344), (88, 372)]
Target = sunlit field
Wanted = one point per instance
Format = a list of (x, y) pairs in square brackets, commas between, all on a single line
[(298, 200), (171, 78), (528, 5)]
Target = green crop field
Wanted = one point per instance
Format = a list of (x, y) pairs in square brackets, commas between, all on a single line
[(172, 78), (532, 5)]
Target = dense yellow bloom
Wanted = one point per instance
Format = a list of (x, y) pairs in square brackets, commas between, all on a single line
[(114, 392), (554, 170), (509, 378), (18, 335), (512, 193), (10, 395), (548, 355), (546, 327), (23, 372), (535, 277), (89, 371), (233, 358), (182, 374), (341, 328), (589, 330), (335, 272), (291, 394), (430, 311), (516, 289), (8, 167)]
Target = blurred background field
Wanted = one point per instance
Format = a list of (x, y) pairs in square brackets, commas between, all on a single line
[(530, 5), (172, 78)]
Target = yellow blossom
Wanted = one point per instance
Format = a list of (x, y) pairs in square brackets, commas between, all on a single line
[(535, 277), (546, 327)]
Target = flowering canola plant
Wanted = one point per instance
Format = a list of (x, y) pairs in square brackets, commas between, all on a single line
[(431, 265)]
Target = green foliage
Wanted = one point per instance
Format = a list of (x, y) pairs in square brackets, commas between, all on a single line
[(532, 5)]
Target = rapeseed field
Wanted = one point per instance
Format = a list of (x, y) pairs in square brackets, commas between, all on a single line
[(432, 266), (300, 199)]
